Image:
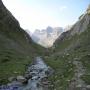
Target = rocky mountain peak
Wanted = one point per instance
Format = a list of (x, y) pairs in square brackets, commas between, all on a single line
[(49, 29), (46, 37)]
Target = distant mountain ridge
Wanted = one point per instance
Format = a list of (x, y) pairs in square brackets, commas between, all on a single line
[(46, 37)]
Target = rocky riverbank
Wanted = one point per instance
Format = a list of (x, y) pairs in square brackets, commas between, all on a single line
[(35, 78)]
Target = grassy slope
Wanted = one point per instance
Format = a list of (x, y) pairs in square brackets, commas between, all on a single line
[(16, 47), (77, 47)]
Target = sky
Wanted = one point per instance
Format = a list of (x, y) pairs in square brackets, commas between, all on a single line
[(39, 14)]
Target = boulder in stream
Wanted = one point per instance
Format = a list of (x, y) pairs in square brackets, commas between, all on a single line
[(21, 79)]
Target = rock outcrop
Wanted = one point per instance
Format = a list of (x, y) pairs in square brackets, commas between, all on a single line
[(80, 26)]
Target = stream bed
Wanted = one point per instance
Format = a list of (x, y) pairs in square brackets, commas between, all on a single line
[(35, 78)]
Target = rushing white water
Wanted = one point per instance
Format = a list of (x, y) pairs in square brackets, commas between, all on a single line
[(38, 71)]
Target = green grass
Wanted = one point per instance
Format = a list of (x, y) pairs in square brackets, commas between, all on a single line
[(15, 59), (86, 63), (17, 51), (77, 47), (63, 71), (15, 55), (86, 78), (12, 64), (16, 47)]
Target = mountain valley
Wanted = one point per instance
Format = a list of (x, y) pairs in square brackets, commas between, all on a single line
[(68, 53)]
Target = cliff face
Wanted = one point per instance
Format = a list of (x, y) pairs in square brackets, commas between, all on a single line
[(80, 26)]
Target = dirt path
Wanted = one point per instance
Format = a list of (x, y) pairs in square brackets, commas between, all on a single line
[(77, 83)]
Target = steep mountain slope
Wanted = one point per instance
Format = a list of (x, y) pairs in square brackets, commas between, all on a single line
[(71, 57), (16, 46), (46, 37)]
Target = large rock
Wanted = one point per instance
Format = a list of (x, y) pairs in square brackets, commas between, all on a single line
[(88, 87), (21, 79), (12, 79)]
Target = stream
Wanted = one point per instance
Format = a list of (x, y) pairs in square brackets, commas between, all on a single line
[(36, 77)]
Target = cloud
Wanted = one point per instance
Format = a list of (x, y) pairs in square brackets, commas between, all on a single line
[(62, 8)]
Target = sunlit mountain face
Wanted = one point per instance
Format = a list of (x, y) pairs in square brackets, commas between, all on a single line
[(46, 37)]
